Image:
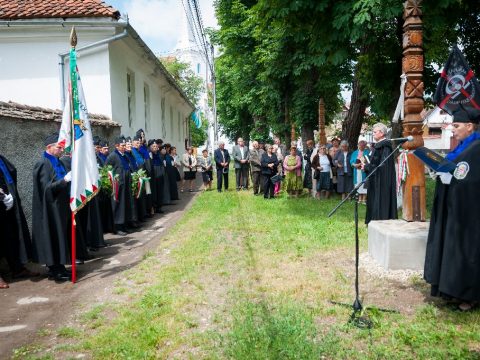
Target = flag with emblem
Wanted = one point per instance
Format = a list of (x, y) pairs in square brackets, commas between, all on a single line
[(458, 88), (76, 136)]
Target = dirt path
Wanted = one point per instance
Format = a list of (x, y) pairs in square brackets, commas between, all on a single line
[(33, 306)]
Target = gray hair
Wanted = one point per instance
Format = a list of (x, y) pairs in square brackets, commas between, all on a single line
[(267, 146), (382, 127), (344, 142), (221, 143)]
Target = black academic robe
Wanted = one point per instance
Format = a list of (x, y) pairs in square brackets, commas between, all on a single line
[(122, 208), (452, 261), (15, 242), (50, 216), (167, 199), (172, 177), (81, 220), (105, 205), (382, 192), (156, 172)]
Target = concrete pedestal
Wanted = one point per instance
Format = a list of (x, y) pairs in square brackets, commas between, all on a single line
[(398, 244)]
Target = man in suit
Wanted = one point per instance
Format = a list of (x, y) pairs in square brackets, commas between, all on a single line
[(256, 168), (241, 157), (222, 161)]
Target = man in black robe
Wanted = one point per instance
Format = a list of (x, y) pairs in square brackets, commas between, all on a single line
[(15, 242), (137, 156), (155, 172), (122, 206), (452, 261), (104, 199), (382, 192), (51, 211)]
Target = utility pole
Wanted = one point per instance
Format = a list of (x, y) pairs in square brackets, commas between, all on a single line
[(214, 95)]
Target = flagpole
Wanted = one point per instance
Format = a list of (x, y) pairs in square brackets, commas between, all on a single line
[(73, 44), (74, 250)]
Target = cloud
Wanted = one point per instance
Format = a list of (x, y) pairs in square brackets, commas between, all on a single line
[(159, 22)]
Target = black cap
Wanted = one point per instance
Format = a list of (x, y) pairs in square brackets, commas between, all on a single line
[(119, 139), (151, 142), (104, 143), (137, 138), (96, 140), (51, 139), (128, 139), (159, 141), (466, 116)]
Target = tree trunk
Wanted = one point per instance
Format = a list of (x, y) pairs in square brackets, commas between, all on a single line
[(352, 125), (307, 134)]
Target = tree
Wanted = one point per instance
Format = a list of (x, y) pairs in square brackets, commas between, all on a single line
[(192, 85)]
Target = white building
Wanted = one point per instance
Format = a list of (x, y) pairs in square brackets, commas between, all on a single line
[(437, 130), (121, 76)]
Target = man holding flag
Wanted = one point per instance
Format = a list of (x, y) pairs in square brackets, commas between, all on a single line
[(76, 138)]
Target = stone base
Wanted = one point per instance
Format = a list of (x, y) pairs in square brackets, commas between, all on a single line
[(398, 244)]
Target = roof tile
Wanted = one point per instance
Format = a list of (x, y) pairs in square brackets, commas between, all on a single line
[(31, 9)]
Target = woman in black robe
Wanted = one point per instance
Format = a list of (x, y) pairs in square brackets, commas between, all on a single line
[(452, 261), (156, 172), (104, 199), (172, 173)]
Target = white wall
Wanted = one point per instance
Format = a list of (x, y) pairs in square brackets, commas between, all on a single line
[(29, 70), (126, 56)]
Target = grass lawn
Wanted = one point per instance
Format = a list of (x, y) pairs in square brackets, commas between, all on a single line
[(240, 277)]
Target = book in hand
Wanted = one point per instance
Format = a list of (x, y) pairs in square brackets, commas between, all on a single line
[(434, 160)]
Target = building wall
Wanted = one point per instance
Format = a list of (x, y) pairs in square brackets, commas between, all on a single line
[(21, 142), (29, 70), (166, 108)]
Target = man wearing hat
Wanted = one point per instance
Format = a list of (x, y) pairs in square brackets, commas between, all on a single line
[(452, 261), (50, 211), (121, 207)]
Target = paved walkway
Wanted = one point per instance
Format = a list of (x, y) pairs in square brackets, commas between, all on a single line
[(34, 304)]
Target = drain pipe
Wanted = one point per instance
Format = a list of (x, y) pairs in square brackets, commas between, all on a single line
[(83, 48)]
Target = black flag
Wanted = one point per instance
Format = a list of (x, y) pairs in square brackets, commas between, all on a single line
[(458, 89)]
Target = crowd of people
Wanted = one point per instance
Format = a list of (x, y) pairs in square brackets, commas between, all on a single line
[(138, 178), (321, 170)]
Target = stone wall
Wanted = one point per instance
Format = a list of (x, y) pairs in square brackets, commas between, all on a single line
[(22, 132)]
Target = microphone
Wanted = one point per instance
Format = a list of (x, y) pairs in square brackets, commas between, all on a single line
[(404, 139)]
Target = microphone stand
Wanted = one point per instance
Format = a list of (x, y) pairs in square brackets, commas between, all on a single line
[(356, 318)]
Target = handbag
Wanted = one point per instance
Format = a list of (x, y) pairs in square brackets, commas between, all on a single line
[(276, 178), (316, 174)]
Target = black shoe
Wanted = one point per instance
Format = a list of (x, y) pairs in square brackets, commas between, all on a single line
[(60, 276), (120, 233)]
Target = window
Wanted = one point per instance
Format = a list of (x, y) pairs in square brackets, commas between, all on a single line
[(131, 97), (198, 68), (162, 105), (170, 137), (146, 105), (179, 126)]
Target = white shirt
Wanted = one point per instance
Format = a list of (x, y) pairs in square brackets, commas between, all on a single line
[(324, 163), (242, 151)]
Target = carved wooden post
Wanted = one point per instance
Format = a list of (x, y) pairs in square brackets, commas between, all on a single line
[(322, 138), (414, 207)]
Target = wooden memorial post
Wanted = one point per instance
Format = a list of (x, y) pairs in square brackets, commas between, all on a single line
[(414, 206), (322, 138)]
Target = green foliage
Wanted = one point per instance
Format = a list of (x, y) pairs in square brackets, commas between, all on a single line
[(190, 83), (198, 135), (192, 86), (105, 183), (279, 57), (138, 177)]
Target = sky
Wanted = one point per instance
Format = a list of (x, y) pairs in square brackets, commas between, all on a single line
[(159, 22)]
